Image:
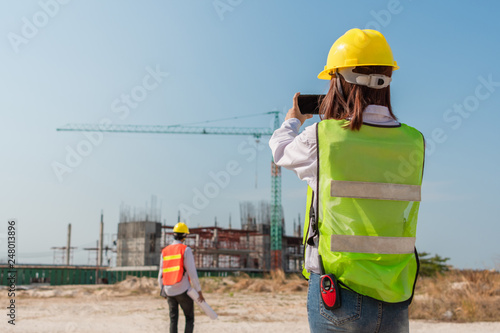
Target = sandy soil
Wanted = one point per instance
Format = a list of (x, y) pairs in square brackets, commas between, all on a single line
[(101, 309)]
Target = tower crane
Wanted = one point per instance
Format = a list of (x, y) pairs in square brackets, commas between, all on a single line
[(276, 232)]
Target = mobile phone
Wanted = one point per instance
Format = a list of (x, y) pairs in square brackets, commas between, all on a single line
[(309, 104)]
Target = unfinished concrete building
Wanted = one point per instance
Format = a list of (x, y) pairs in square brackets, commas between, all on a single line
[(138, 243), (217, 248), (245, 249), (141, 238)]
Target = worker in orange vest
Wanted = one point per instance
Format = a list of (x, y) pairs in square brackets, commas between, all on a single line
[(177, 268)]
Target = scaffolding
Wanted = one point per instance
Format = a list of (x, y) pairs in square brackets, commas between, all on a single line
[(226, 248), (150, 213), (141, 238), (216, 248), (60, 256)]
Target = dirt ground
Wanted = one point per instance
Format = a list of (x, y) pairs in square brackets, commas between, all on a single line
[(114, 309)]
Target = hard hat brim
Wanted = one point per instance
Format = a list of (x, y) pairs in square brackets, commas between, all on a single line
[(325, 75)]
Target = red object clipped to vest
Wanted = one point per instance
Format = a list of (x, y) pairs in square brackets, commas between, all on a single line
[(173, 263), (330, 292)]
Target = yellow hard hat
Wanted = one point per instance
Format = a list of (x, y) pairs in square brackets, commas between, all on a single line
[(358, 48), (181, 228)]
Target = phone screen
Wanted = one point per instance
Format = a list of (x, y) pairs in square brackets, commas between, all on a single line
[(309, 104)]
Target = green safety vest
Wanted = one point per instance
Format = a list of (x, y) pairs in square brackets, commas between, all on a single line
[(369, 194)]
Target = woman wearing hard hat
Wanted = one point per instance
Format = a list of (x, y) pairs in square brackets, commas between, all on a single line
[(364, 171)]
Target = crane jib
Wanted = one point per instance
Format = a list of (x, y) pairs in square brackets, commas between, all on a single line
[(276, 232), (155, 129)]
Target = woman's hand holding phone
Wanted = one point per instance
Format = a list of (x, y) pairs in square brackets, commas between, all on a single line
[(294, 112)]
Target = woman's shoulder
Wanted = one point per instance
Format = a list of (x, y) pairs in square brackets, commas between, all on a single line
[(410, 128), (309, 132)]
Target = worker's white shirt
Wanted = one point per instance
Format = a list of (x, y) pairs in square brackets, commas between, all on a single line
[(190, 271), (297, 152)]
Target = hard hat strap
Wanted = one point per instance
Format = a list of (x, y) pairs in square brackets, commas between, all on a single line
[(375, 81), (339, 85)]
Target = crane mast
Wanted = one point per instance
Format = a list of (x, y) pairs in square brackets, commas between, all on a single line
[(276, 212), (276, 232)]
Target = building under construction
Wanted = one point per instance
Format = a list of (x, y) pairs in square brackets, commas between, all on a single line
[(141, 238)]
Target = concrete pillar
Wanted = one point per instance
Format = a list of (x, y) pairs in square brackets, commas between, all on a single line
[(99, 250), (68, 246)]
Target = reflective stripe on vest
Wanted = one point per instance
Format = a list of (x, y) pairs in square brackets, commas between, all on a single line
[(173, 264), (378, 191), (172, 269), (372, 244), (368, 199), (175, 256)]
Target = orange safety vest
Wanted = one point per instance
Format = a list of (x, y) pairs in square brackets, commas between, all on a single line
[(173, 263)]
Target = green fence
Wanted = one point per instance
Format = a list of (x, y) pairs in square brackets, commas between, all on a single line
[(66, 275)]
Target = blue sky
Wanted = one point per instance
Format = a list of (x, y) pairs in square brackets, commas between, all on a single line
[(73, 61)]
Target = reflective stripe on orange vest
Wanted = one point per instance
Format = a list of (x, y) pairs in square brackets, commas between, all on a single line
[(171, 269), (173, 264), (175, 256)]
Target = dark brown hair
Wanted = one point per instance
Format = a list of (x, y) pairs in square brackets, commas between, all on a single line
[(355, 98)]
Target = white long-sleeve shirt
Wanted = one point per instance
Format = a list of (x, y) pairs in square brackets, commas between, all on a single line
[(190, 274), (297, 152)]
